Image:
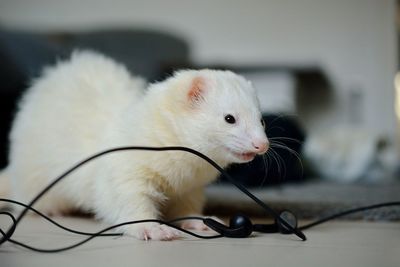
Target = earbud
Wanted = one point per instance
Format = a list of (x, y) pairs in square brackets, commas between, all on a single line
[(239, 226), (288, 217), (278, 226)]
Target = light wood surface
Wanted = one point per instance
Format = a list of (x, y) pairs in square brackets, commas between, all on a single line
[(332, 244)]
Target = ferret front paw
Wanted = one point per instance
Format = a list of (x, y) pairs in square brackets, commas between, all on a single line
[(198, 225), (153, 231)]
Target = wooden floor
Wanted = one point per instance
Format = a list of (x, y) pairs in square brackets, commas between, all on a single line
[(332, 244)]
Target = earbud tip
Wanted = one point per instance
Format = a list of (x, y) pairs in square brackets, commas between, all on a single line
[(242, 224), (240, 220)]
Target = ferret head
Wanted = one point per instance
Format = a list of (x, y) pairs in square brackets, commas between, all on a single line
[(217, 113)]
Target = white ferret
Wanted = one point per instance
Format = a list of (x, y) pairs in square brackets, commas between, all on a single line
[(91, 103)]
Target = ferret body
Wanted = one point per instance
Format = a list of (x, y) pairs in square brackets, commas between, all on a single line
[(91, 103)]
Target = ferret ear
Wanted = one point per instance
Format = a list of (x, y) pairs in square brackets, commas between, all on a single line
[(197, 90)]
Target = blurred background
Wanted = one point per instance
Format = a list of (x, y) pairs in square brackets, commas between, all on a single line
[(324, 71)]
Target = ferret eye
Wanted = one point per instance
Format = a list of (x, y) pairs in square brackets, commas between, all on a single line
[(230, 119)]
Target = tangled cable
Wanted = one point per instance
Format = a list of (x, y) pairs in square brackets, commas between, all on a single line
[(7, 235)]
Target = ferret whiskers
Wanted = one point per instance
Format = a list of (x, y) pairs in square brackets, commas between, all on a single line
[(281, 145), (273, 155), (265, 160)]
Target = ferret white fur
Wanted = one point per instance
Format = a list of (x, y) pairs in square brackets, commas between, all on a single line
[(91, 103)]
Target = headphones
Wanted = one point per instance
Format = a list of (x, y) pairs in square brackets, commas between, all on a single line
[(240, 226)]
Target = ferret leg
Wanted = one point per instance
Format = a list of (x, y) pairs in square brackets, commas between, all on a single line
[(189, 204), (149, 231), (133, 202)]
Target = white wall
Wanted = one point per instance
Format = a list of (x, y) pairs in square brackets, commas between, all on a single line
[(353, 40)]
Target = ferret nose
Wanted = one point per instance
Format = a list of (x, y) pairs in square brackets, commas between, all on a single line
[(261, 146)]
